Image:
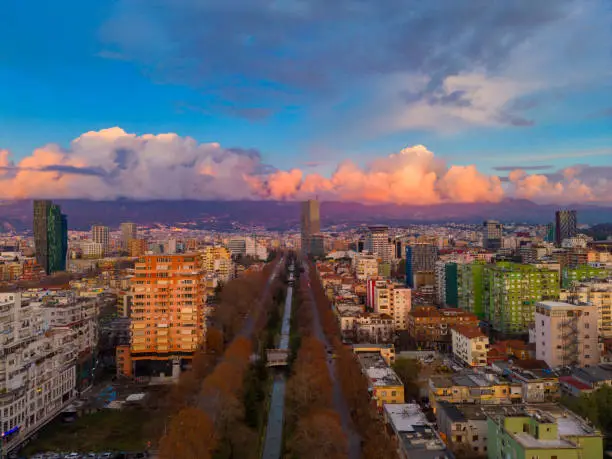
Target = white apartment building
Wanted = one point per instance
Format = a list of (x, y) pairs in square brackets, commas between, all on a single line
[(599, 294), (377, 242), (373, 328), (394, 300), (40, 344), (92, 249), (470, 345), (366, 266), (566, 334), (100, 234)]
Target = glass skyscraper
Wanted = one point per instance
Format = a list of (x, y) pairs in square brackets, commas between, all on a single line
[(50, 236)]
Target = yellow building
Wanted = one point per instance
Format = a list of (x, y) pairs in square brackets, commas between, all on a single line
[(599, 294), (386, 351), (472, 387), (384, 384)]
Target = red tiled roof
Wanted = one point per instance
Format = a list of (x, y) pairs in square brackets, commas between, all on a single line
[(570, 380)]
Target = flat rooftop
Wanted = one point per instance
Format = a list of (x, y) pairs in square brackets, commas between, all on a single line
[(377, 370), (417, 436), (467, 378)]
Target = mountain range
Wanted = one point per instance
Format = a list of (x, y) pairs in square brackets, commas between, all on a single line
[(284, 215)]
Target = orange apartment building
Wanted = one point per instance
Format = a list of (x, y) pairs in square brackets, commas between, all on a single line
[(430, 327), (167, 315)]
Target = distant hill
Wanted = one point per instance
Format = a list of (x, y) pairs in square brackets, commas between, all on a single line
[(283, 215), (600, 232)]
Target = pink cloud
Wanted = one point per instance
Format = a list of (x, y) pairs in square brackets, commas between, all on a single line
[(112, 163)]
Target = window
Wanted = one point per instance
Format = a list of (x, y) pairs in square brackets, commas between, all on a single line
[(475, 438)]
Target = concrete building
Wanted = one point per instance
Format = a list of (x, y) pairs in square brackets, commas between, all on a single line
[(471, 387), (167, 313), (413, 435), (377, 242), (511, 292), (598, 294), (492, 234), (566, 225), (366, 266), (420, 257), (41, 345), (535, 432), (129, 231), (92, 249), (373, 328), (384, 384), (470, 345), (100, 234), (566, 334), (394, 300), (137, 247), (430, 327), (463, 427), (310, 223), (470, 288)]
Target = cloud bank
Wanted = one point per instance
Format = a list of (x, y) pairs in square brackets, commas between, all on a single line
[(111, 164)]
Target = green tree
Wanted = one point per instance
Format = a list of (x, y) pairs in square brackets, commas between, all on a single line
[(408, 372), (596, 407)]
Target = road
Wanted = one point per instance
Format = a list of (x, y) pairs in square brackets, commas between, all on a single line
[(354, 441), (274, 431)]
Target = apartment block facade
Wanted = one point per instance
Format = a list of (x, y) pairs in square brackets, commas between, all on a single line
[(600, 295), (511, 292), (167, 317), (470, 345), (566, 334), (430, 327), (41, 346), (393, 300)]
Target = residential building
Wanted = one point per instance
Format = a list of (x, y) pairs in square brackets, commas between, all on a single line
[(598, 294), (584, 273), (377, 242), (137, 247), (492, 234), (511, 292), (373, 328), (469, 386), (420, 257), (566, 334), (394, 300), (470, 288), (413, 435), (92, 249), (129, 231), (539, 383), (39, 352), (50, 236), (386, 351), (310, 222), (535, 432), (463, 427), (430, 327), (167, 313), (595, 376), (384, 385), (100, 234), (470, 345), (566, 225), (366, 266)]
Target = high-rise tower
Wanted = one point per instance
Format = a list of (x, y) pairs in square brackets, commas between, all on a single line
[(128, 231), (311, 223), (566, 223), (50, 236), (492, 234)]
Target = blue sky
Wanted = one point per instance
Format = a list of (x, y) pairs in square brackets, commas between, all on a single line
[(519, 83)]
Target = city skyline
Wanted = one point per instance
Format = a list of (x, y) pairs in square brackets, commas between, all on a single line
[(265, 101)]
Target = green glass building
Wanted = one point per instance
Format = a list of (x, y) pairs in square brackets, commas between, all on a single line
[(50, 236), (511, 291), (450, 285)]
